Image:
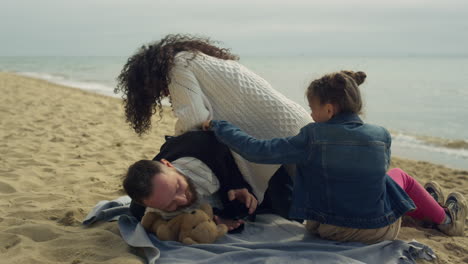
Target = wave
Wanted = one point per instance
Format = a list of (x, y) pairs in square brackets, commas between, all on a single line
[(454, 148), (67, 81), (448, 147)]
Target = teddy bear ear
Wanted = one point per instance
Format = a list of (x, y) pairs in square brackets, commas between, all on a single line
[(148, 220), (207, 209), (222, 230)]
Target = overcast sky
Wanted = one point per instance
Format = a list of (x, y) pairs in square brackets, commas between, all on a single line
[(118, 27)]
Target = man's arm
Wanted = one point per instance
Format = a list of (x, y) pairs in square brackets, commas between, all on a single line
[(204, 146)]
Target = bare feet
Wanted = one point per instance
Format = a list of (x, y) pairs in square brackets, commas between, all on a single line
[(230, 223)]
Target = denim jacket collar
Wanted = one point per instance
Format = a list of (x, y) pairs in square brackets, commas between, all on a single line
[(345, 118)]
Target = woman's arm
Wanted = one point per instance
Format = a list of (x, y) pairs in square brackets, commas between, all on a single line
[(274, 151), (190, 105)]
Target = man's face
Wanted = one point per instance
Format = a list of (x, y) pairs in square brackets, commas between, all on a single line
[(171, 190)]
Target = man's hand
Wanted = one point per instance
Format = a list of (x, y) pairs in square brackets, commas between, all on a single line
[(206, 125), (245, 197), (230, 223)]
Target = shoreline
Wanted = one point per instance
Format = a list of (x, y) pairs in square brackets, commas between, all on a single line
[(64, 149), (452, 153)]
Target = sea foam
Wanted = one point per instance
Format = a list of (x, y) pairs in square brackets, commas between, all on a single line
[(65, 80)]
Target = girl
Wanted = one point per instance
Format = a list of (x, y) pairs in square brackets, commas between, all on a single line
[(205, 82), (342, 187)]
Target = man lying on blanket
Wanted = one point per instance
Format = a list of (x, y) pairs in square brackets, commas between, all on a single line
[(195, 168)]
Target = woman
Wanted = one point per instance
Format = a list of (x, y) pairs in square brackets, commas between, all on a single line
[(206, 82)]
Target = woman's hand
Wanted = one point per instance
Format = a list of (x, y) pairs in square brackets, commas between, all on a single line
[(245, 197), (206, 125)]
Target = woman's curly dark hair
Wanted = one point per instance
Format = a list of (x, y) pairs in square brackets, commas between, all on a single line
[(145, 78)]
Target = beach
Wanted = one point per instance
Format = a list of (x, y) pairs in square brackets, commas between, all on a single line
[(63, 149)]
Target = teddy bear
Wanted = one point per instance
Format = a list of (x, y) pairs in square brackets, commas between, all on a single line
[(195, 227)]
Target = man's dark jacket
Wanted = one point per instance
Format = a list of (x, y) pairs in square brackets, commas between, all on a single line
[(204, 146)]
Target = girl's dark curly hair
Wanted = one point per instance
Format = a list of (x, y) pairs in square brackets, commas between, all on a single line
[(145, 78)]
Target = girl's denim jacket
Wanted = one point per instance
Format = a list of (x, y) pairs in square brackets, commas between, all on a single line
[(341, 170)]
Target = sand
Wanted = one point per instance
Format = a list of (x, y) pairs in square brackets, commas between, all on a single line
[(63, 149)]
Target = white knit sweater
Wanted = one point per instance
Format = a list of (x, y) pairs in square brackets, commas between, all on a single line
[(204, 87)]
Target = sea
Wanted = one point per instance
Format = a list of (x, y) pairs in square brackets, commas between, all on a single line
[(422, 100)]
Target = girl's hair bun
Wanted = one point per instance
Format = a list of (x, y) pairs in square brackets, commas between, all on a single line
[(359, 77), (338, 80)]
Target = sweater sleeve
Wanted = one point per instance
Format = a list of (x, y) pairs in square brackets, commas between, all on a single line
[(287, 150), (190, 105)]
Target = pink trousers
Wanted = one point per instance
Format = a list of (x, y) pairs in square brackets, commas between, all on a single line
[(427, 208)]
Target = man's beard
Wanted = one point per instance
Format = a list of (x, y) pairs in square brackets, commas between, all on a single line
[(193, 193)]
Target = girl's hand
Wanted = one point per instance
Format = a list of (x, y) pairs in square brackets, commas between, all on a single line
[(206, 125)]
